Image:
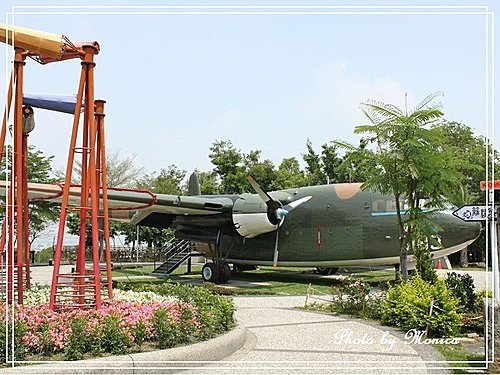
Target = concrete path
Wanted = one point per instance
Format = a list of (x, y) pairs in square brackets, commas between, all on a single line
[(284, 340)]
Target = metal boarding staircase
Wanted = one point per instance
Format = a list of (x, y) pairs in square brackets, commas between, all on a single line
[(176, 253)]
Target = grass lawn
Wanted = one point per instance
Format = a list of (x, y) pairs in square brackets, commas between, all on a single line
[(458, 353), (265, 280)]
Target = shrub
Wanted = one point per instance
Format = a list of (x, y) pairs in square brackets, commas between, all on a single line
[(113, 338), (5, 340), (354, 298), (462, 287), (167, 330), (79, 342), (140, 333), (425, 262), (408, 307)]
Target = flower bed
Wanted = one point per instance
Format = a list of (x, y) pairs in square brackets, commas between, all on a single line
[(122, 325)]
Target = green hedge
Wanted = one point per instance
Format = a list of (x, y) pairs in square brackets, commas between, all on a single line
[(408, 307)]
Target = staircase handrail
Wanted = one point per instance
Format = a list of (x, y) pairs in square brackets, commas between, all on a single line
[(176, 248)]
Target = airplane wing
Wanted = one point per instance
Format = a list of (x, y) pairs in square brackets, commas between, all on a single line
[(135, 206), (247, 214)]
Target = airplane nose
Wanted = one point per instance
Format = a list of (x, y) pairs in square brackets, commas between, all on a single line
[(457, 231), (471, 230)]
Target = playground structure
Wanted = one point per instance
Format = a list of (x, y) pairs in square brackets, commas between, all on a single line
[(81, 289)]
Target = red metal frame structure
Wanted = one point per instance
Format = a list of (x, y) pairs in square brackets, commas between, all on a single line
[(17, 198), (83, 288), (17, 210), (84, 285)]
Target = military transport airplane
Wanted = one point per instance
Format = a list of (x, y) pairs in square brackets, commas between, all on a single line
[(321, 226)]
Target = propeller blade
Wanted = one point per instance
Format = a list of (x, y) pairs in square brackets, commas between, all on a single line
[(270, 202), (293, 205), (276, 250)]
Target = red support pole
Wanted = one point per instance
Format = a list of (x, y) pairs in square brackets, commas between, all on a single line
[(3, 132), (18, 171), (66, 187), (6, 113), (10, 243), (82, 280), (25, 229), (94, 190), (101, 147), (88, 62)]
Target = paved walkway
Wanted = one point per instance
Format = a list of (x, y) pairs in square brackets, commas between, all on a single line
[(284, 340)]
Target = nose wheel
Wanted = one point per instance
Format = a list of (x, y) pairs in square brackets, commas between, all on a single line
[(213, 274)]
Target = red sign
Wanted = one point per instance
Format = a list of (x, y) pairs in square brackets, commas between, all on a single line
[(491, 185)]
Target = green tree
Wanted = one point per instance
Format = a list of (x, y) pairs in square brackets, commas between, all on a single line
[(412, 166), (168, 181), (41, 213), (208, 183), (470, 153), (120, 171), (314, 172), (331, 162), (227, 161), (262, 171), (289, 175), (357, 164)]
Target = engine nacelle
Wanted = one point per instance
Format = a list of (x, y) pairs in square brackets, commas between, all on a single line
[(252, 224), (251, 216)]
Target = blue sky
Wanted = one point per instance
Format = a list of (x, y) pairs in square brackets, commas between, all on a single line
[(176, 83)]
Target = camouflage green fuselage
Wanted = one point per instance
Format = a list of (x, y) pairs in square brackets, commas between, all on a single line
[(339, 225)]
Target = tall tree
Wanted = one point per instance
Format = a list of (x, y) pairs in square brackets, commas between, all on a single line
[(121, 171), (289, 175), (168, 181), (41, 213), (227, 161), (262, 171), (470, 153), (208, 183), (314, 172), (412, 166), (331, 161)]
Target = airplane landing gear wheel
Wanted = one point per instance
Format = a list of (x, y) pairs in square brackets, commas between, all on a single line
[(210, 273), (327, 271), (224, 273)]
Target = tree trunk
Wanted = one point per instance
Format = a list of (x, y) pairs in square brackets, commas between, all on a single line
[(403, 258), (403, 251), (464, 260)]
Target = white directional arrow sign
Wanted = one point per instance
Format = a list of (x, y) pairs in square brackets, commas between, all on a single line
[(474, 213)]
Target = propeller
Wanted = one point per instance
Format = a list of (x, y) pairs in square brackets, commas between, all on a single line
[(276, 212)]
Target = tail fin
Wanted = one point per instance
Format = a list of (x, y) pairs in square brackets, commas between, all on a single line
[(194, 185)]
